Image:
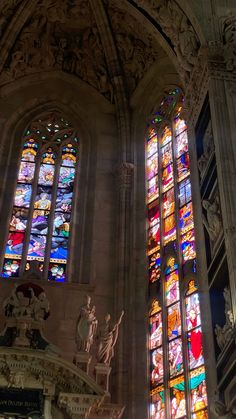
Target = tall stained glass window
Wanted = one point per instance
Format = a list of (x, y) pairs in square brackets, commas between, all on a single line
[(39, 226), (177, 373)]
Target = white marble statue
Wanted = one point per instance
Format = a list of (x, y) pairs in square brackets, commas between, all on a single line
[(107, 337), (225, 333), (86, 326), (212, 220), (39, 306)]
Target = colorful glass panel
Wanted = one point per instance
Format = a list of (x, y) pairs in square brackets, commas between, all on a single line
[(181, 144), (49, 157), (30, 149), (192, 287), (66, 177), (166, 136), (154, 267), (154, 238), (40, 222), (186, 218), (152, 146), (43, 198), (166, 155), (201, 414), (157, 406), (23, 195), (183, 167), (195, 351), (156, 330), (172, 219), (185, 192), (152, 166), (169, 229), (167, 178), (153, 191), (10, 268), (29, 231), (46, 174), (157, 369), (171, 265), (197, 385), (153, 213), (59, 250), (26, 172), (193, 318), (180, 126), (19, 219), (37, 244), (168, 203), (172, 288), (14, 245), (176, 357), (64, 199), (177, 398), (57, 272), (188, 246), (174, 321), (68, 155), (61, 224)]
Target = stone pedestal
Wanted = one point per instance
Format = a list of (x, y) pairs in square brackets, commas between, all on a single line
[(82, 360), (102, 376)]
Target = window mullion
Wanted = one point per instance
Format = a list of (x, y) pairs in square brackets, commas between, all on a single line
[(30, 216), (51, 219), (181, 279)]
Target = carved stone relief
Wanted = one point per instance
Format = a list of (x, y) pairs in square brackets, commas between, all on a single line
[(178, 28), (229, 42), (7, 9), (25, 310), (225, 333), (137, 49), (212, 221), (208, 148), (60, 36)]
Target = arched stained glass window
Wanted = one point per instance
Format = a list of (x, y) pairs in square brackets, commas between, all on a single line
[(177, 373), (39, 227)]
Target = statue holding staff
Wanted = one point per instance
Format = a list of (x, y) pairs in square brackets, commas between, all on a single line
[(107, 337)]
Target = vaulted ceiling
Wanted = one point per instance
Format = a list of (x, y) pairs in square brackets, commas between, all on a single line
[(106, 43)]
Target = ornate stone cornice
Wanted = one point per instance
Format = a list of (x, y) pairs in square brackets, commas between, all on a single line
[(23, 364), (78, 406)]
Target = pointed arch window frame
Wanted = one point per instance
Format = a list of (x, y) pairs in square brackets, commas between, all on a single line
[(43, 144)]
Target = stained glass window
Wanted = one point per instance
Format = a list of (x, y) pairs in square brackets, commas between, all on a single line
[(39, 226), (176, 360)]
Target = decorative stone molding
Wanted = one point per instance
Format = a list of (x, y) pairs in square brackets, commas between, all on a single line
[(176, 25), (102, 372), (83, 360), (107, 411), (229, 41), (220, 410), (26, 309), (47, 370), (44, 46), (77, 406)]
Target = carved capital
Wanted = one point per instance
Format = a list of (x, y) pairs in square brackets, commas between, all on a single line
[(77, 406)]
